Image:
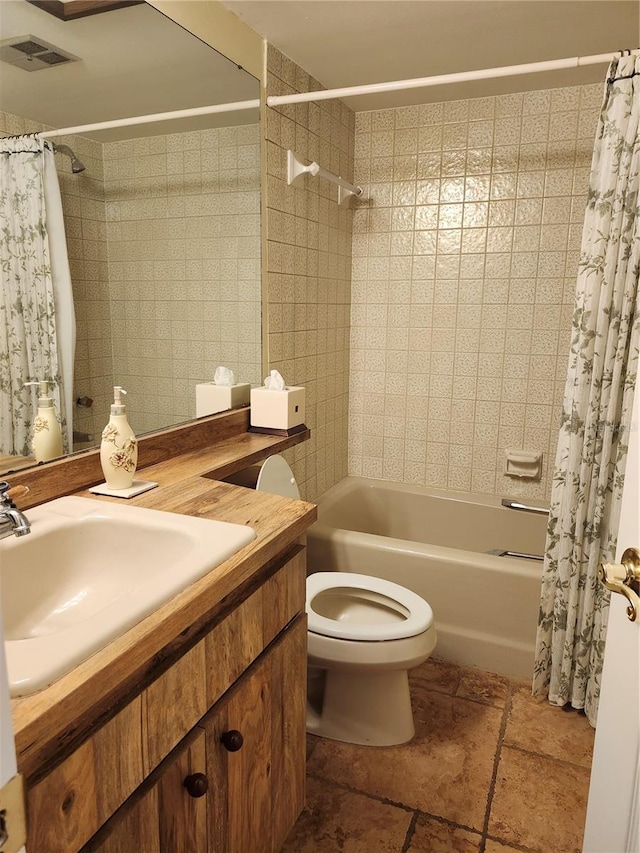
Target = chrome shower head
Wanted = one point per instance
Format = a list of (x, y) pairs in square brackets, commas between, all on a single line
[(76, 165)]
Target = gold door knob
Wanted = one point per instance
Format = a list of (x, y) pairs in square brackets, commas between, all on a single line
[(624, 578)]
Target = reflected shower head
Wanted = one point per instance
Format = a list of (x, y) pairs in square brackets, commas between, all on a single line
[(76, 165)]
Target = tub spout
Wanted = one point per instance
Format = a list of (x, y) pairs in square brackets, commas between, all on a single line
[(511, 504)]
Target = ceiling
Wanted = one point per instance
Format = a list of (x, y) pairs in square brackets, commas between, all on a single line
[(133, 61), (352, 42), (136, 61)]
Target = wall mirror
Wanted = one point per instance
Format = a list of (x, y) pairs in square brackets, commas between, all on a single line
[(163, 221)]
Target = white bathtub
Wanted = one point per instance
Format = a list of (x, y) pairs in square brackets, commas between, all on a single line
[(437, 544)]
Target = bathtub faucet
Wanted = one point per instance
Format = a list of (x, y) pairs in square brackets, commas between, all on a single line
[(12, 521)]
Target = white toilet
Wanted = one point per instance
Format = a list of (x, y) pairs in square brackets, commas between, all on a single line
[(364, 634)]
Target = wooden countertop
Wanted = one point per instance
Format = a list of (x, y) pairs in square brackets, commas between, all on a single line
[(49, 724)]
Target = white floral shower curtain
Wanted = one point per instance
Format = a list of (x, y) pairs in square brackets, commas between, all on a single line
[(592, 446), (32, 304)]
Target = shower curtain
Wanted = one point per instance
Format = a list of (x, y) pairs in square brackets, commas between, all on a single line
[(37, 323), (592, 446)]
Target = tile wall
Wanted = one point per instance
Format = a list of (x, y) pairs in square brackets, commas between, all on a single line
[(456, 278), (183, 230), (308, 269), (464, 265)]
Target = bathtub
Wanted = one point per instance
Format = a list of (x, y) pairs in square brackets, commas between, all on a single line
[(438, 544)]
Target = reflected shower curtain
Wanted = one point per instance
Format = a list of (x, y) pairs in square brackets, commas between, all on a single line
[(592, 446), (62, 294), (37, 325)]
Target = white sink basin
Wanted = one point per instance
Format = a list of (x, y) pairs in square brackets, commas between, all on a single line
[(90, 570)]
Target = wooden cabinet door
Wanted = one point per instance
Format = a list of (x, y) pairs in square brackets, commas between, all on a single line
[(162, 817), (130, 830), (251, 749), (182, 816), (255, 742)]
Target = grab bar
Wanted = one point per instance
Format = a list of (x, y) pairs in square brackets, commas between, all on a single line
[(510, 504), (498, 552)]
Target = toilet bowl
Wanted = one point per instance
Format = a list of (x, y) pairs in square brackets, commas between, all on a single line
[(364, 634)]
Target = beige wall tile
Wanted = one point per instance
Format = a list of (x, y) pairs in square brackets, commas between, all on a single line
[(197, 238), (486, 234), (308, 265)]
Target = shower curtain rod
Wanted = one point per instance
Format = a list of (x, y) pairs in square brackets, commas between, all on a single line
[(438, 80), (176, 114), (346, 92)]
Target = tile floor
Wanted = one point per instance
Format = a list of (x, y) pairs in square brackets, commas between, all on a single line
[(490, 770)]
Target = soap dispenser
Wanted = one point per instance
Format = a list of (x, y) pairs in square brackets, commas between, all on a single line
[(119, 447), (47, 436)]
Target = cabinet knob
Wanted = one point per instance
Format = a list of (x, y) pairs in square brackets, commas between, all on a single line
[(196, 784), (232, 740)]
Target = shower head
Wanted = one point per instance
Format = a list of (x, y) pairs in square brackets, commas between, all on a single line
[(76, 165)]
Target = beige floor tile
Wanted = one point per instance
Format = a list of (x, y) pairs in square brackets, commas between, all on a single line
[(438, 837), (498, 847), (436, 674), (486, 687), (539, 802), (536, 725), (445, 771), (338, 820)]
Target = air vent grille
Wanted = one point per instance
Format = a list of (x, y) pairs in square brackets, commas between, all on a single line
[(53, 58), (33, 54), (29, 47)]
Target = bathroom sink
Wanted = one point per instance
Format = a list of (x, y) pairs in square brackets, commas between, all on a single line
[(89, 571)]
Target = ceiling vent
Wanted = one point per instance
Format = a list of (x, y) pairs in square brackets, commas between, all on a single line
[(33, 54)]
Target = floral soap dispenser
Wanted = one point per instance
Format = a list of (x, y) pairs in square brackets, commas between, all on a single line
[(47, 436), (119, 447)]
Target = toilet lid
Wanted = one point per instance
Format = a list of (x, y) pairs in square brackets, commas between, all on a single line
[(418, 615), (276, 477)]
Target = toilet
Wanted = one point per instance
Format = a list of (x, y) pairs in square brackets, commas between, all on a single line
[(364, 634)]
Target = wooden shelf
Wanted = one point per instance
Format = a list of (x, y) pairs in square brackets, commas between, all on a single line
[(215, 447)]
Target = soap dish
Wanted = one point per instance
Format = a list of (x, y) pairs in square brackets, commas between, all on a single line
[(136, 488)]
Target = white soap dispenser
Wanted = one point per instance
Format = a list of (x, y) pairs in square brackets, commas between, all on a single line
[(119, 447), (47, 436)]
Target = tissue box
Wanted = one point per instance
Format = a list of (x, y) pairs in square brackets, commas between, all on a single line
[(277, 409), (212, 398)]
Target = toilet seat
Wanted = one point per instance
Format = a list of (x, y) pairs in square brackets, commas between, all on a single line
[(416, 614)]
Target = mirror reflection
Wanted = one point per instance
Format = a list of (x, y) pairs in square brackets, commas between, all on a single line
[(162, 222)]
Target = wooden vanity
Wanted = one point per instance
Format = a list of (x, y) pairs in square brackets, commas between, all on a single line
[(187, 733)]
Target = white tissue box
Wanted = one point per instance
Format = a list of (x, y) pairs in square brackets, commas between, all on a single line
[(212, 398), (277, 409)]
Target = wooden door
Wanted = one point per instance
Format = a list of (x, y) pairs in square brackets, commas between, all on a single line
[(130, 829), (182, 801), (256, 748), (163, 817), (249, 756)]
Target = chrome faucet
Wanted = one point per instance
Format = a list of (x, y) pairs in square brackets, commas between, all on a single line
[(12, 521)]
